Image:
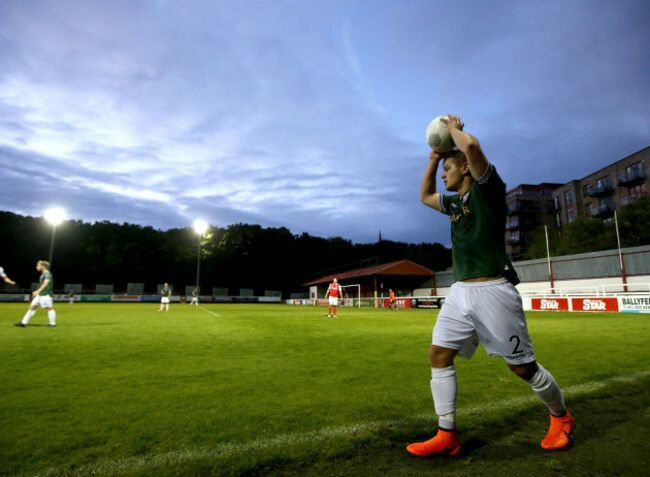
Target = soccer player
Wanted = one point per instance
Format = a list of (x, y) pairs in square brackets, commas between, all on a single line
[(42, 296), (71, 297), (5, 277), (195, 297), (166, 292), (483, 303), (393, 302), (333, 291)]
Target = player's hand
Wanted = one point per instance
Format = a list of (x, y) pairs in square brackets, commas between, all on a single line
[(435, 155), (34, 294), (11, 282), (453, 122)]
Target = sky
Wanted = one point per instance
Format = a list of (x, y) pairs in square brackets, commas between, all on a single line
[(305, 114)]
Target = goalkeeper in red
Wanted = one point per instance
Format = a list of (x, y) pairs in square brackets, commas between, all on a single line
[(483, 303)]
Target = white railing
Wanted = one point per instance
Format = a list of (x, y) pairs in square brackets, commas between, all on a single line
[(615, 289)]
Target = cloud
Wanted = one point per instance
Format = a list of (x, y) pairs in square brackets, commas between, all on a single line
[(309, 115)]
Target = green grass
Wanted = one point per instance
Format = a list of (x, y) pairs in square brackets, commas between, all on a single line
[(119, 389)]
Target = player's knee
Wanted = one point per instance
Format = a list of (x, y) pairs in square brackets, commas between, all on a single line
[(440, 357), (524, 371)]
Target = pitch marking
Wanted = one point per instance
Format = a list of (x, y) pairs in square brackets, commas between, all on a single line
[(211, 312), (143, 463)]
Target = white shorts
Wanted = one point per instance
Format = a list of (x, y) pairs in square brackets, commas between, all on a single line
[(164, 299), (334, 301), (44, 301), (489, 312), (195, 298)]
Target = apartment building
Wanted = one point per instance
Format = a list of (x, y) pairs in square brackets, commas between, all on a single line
[(529, 206), (600, 193), (596, 195)]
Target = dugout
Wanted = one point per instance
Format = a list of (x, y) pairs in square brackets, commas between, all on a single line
[(400, 275)]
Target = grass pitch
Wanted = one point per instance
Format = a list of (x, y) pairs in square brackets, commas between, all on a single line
[(119, 389)]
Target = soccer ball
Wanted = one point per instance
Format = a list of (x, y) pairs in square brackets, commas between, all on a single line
[(438, 136)]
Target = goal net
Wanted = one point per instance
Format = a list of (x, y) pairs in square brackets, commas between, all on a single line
[(351, 295)]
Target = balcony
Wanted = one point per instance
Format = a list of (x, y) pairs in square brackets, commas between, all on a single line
[(631, 178), (631, 198), (603, 211), (513, 240), (519, 207), (552, 208), (603, 189), (512, 225)]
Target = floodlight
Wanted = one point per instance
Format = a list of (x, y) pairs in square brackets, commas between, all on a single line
[(200, 226), (55, 216)]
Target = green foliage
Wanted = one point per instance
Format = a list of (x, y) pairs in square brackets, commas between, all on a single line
[(239, 256), (119, 389), (591, 235), (634, 223)]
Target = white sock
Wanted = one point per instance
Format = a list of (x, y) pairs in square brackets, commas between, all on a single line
[(444, 389), (51, 315), (545, 386), (28, 316), (167, 307)]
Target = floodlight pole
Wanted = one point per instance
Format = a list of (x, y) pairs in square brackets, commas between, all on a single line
[(620, 253), (548, 258), (198, 261), (52, 244)]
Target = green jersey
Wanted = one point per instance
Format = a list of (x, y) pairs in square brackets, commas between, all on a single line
[(49, 289), (166, 292), (478, 228)]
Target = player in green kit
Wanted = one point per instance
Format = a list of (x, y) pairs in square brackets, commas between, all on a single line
[(42, 296), (483, 303), (166, 292)]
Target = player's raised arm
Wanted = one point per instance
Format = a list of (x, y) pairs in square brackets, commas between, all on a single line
[(467, 144), (428, 194)]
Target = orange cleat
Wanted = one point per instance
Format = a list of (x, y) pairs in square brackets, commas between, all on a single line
[(444, 443), (559, 434)]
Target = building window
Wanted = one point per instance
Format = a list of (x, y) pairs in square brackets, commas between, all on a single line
[(585, 191), (639, 191), (589, 209), (558, 220), (568, 197), (637, 167), (571, 214)]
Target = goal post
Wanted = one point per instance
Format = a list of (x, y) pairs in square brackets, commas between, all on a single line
[(351, 293)]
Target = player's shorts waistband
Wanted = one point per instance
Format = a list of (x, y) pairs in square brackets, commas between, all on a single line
[(489, 283)]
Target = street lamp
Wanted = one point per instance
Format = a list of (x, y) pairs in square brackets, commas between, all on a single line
[(54, 216), (200, 227)]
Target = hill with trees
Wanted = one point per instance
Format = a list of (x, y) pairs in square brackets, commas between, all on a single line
[(237, 256)]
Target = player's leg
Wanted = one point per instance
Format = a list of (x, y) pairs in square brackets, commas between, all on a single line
[(51, 316), (453, 335), (503, 330), (30, 312), (162, 304)]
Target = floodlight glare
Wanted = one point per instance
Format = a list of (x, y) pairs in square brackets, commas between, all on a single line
[(200, 226), (55, 216)]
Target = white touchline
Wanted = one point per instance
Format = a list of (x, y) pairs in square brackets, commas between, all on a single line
[(175, 457), (211, 312)]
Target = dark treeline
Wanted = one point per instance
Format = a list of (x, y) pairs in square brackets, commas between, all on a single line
[(239, 256)]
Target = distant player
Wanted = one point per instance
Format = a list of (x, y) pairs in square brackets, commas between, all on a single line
[(42, 296), (4, 276), (482, 305), (334, 292), (166, 292), (71, 297), (195, 297), (393, 302)]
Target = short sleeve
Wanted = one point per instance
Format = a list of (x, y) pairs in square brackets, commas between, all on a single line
[(491, 183), (445, 203)]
